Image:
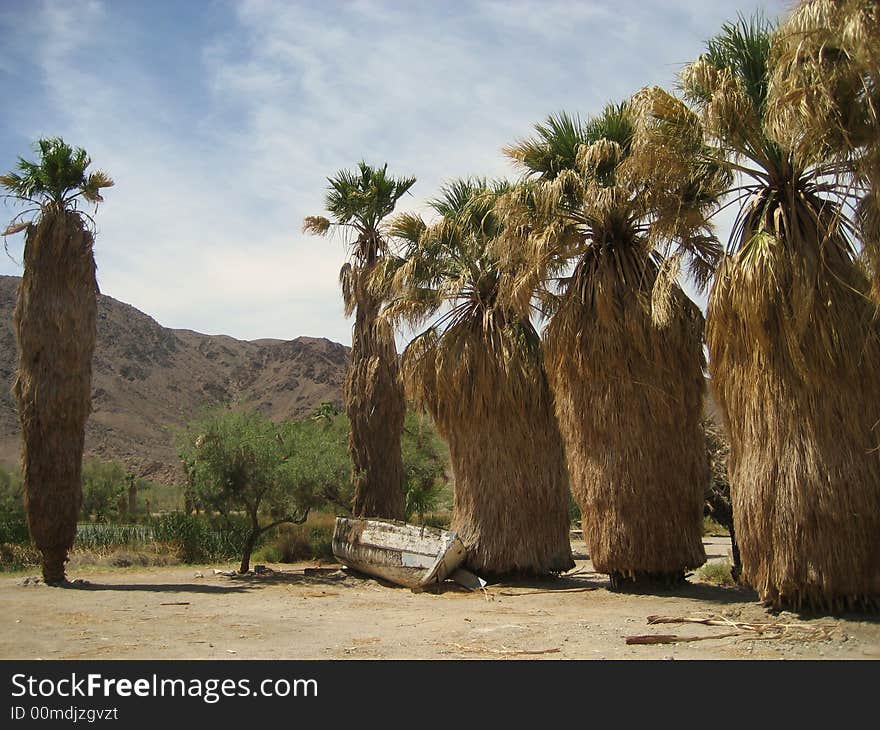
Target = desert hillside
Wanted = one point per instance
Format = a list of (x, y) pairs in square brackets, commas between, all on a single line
[(149, 380)]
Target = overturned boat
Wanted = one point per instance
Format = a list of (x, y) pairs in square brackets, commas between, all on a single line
[(405, 554)]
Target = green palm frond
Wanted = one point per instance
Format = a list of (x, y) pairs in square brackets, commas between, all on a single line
[(360, 199), (451, 269), (744, 49), (365, 196), (553, 148), (615, 124), (57, 178), (630, 192)]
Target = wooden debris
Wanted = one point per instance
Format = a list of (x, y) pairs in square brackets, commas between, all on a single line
[(549, 590), (322, 571), (674, 639), (503, 650), (754, 630), (175, 603)]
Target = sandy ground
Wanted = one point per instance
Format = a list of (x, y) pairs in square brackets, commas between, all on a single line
[(187, 612)]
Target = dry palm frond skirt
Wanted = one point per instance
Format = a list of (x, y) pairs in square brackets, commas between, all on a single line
[(55, 321), (376, 407), (794, 346), (628, 396), (492, 404)]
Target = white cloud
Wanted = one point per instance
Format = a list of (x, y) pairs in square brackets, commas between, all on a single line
[(202, 230)]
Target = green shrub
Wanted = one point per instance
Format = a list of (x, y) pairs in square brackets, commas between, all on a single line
[(200, 538), (14, 529), (425, 462), (717, 573), (18, 557), (11, 493), (104, 485), (293, 543), (101, 535), (574, 511)]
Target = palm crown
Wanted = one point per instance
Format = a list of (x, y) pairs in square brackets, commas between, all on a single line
[(360, 199), (598, 186), (58, 179), (451, 263), (791, 186)]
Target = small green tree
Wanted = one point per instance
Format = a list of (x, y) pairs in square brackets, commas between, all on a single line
[(103, 484), (242, 462), (425, 461)]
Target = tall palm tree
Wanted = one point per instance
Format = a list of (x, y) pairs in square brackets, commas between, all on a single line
[(793, 338), (825, 95), (358, 202), (623, 342), (54, 323), (477, 369)]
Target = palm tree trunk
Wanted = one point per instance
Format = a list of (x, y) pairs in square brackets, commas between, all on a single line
[(628, 397), (793, 367), (376, 408), (55, 325), (511, 488)]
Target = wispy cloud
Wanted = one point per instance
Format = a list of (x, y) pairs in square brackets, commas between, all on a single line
[(221, 132)]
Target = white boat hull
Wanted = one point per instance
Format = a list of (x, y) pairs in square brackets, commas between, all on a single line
[(398, 552)]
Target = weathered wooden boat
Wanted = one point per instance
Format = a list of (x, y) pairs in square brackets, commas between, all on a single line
[(405, 554)]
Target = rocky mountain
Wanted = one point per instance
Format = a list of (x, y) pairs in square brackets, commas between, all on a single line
[(148, 380)]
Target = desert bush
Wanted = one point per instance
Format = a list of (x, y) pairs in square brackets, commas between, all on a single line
[(14, 530), (201, 538), (104, 484), (11, 493), (100, 535), (160, 497), (425, 463), (15, 556), (241, 462), (718, 573), (292, 543)]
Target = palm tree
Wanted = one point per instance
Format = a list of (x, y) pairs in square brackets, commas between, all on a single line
[(792, 338), (623, 344), (825, 95), (359, 201), (54, 323), (477, 369)]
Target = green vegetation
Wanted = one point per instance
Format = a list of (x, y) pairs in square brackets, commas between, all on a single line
[(240, 462), (291, 543), (105, 488), (425, 461), (778, 123), (719, 573)]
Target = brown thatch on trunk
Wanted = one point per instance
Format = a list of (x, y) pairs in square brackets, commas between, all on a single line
[(489, 397), (606, 218), (359, 200), (55, 325), (628, 398), (375, 405), (794, 342), (478, 370)]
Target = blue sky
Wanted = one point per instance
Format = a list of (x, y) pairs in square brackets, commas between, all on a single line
[(220, 122)]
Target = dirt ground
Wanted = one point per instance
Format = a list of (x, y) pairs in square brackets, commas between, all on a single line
[(187, 612)]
